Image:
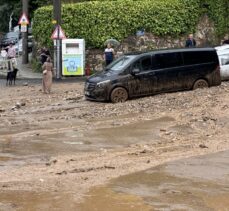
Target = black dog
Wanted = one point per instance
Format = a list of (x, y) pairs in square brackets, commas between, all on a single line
[(11, 77)]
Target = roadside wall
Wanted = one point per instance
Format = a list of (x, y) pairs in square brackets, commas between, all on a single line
[(205, 36)]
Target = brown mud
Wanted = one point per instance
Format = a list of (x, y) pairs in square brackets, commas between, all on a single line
[(59, 145)]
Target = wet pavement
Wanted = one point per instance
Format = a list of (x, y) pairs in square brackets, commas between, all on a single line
[(54, 148), (30, 144), (199, 183)]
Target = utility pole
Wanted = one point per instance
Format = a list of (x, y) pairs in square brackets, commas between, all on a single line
[(58, 41), (25, 60)]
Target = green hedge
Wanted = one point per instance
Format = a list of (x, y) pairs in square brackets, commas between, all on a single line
[(218, 10), (97, 21)]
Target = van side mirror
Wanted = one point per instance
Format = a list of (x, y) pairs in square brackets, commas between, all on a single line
[(135, 71)]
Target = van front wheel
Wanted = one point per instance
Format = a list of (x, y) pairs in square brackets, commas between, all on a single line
[(201, 83), (118, 95)]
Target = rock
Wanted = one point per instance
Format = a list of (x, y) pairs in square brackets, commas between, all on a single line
[(23, 103), (144, 151), (203, 146), (18, 105), (61, 173), (13, 108), (2, 110), (25, 84), (168, 133)]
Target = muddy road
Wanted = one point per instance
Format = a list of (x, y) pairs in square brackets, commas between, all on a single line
[(54, 148)]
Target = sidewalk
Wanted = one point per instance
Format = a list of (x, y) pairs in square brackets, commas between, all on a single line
[(25, 71)]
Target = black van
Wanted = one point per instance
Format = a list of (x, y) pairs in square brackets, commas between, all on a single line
[(141, 74)]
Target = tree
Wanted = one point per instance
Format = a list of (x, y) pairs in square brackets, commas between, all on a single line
[(6, 9)]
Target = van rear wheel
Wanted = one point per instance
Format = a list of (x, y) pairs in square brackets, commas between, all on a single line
[(118, 95), (201, 83)]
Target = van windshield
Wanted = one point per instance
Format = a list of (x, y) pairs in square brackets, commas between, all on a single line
[(118, 65)]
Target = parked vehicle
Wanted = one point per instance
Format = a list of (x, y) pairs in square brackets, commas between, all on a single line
[(10, 37), (223, 54), (141, 74)]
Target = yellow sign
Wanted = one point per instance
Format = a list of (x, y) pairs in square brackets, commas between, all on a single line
[(54, 22)]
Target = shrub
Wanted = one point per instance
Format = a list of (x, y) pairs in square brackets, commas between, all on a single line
[(218, 10), (96, 21)]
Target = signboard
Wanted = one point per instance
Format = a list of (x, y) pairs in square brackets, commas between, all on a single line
[(23, 28), (23, 19), (61, 33), (73, 57), (72, 65)]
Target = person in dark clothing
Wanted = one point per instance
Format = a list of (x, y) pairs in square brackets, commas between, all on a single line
[(47, 52), (43, 56), (226, 42), (190, 42), (108, 54)]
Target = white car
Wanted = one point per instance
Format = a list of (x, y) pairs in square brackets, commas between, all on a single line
[(223, 54)]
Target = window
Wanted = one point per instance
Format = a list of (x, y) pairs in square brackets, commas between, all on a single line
[(224, 60), (198, 57), (146, 63), (167, 60), (120, 64)]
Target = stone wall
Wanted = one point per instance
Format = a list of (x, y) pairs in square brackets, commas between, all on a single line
[(204, 36)]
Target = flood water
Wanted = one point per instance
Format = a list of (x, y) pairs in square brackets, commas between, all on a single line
[(200, 183), (25, 147)]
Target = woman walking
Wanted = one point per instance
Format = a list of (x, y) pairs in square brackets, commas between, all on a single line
[(47, 76)]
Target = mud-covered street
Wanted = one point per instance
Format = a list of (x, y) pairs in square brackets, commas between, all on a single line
[(55, 148)]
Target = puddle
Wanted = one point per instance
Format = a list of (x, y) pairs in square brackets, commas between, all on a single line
[(51, 142), (176, 186), (147, 131), (200, 183), (181, 130), (26, 201), (113, 201)]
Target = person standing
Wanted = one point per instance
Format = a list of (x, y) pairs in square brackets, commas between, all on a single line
[(43, 56), (108, 54), (47, 76), (190, 42), (226, 40), (11, 54), (4, 57)]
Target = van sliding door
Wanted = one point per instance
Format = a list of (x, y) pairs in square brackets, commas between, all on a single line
[(170, 65)]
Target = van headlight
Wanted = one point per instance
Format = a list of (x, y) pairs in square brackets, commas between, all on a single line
[(102, 83)]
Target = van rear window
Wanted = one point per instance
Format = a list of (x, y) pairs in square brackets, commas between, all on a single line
[(199, 57), (167, 60)]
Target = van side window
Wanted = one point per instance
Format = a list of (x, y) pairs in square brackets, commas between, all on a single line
[(143, 64), (146, 63), (198, 57), (167, 60)]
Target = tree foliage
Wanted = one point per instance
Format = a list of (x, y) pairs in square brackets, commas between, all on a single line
[(218, 10), (96, 21), (6, 9)]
